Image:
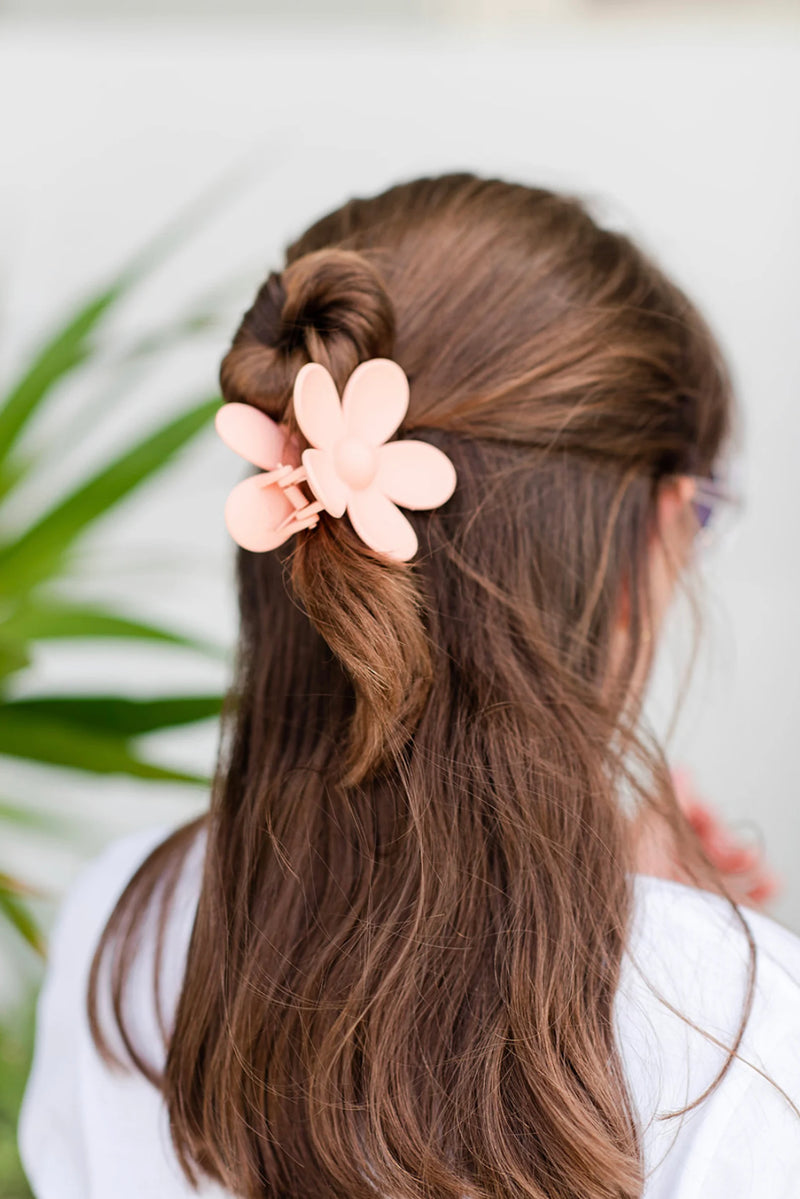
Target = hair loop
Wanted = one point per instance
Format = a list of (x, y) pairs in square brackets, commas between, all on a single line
[(337, 311), (267, 312)]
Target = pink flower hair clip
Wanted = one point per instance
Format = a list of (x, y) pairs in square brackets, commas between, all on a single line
[(350, 466)]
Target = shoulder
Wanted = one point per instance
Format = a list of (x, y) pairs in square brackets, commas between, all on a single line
[(107, 872), (699, 947), (57, 1141), (90, 899), (680, 1006)]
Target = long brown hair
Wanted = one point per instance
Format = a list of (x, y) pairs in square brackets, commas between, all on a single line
[(417, 873)]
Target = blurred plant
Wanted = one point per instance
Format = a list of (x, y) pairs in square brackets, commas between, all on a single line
[(95, 733), (16, 1054)]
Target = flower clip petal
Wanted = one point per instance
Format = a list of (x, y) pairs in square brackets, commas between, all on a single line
[(317, 407), (375, 400), (254, 512), (381, 525), (415, 474), (254, 436), (324, 481)]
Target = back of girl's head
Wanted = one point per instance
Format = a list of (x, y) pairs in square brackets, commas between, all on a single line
[(561, 373), (415, 901)]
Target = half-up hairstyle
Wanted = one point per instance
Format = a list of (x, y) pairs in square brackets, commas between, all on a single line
[(416, 889)]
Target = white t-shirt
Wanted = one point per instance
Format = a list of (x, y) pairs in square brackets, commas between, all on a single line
[(88, 1133)]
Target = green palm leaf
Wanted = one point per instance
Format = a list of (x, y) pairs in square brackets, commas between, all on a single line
[(16, 912), (88, 733), (54, 619), (16, 1054), (64, 351), (12, 655), (12, 470), (42, 548), (116, 714), (31, 736), (38, 821)]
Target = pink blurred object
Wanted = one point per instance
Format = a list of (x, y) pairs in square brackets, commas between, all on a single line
[(745, 873), (348, 467)]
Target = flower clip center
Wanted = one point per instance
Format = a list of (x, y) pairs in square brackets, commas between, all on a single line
[(356, 462)]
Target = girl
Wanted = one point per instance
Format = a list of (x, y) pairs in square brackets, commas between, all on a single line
[(408, 952)]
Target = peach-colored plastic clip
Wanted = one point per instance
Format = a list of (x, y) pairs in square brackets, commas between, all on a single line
[(348, 466)]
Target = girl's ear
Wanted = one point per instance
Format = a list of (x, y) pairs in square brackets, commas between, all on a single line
[(671, 534), (671, 539), (675, 522), (674, 495)]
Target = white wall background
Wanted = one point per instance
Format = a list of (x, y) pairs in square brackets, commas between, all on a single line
[(685, 135)]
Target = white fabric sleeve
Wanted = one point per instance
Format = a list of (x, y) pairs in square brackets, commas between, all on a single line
[(50, 1133), (757, 1149), (50, 1136)]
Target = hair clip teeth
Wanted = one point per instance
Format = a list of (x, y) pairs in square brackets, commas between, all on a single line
[(305, 517)]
